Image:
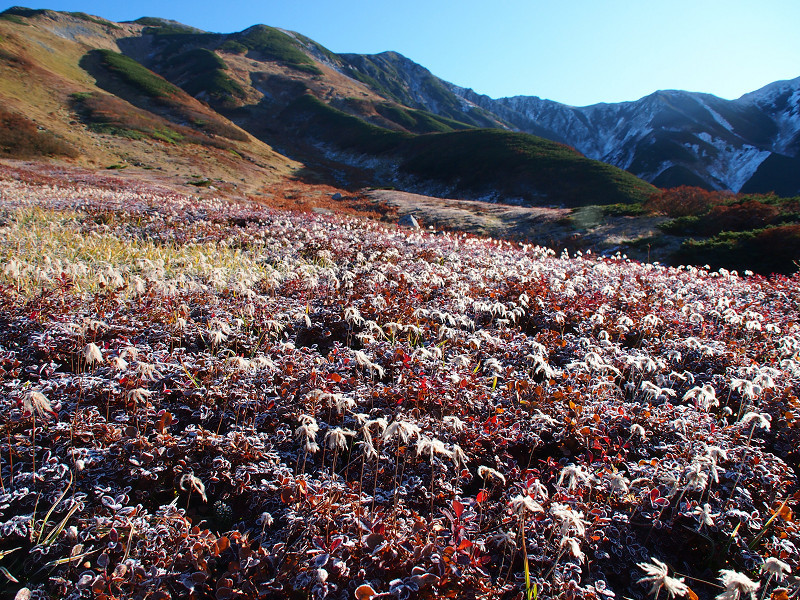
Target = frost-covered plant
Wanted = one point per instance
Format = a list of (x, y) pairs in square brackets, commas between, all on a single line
[(576, 397)]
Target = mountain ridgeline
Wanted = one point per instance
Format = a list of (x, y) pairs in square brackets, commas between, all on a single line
[(384, 120), (278, 100)]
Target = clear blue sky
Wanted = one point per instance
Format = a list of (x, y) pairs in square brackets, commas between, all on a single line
[(573, 51)]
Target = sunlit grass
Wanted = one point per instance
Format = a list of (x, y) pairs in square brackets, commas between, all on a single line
[(40, 245)]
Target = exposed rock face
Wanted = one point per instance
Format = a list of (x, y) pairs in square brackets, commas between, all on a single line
[(408, 221)]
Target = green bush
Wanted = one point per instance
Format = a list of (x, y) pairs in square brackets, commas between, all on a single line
[(233, 47), (634, 209), (764, 251), (688, 225), (136, 75)]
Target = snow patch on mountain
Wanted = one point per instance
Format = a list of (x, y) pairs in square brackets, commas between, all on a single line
[(618, 133), (734, 166), (723, 142), (717, 117), (781, 101)]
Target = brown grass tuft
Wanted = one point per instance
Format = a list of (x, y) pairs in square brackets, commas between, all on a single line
[(22, 138)]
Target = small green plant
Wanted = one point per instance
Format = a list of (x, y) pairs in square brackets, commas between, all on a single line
[(634, 209), (200, 182)]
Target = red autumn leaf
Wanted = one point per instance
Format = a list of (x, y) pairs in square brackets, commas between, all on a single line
[(287, 495), (656, 499), (222, 545), (364, 592)]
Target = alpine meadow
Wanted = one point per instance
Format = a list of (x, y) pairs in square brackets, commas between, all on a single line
[(277, 322)]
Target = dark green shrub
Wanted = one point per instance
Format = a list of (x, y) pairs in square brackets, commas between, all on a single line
[(21, 11), (136, 75), (233, 47), (764, 251)]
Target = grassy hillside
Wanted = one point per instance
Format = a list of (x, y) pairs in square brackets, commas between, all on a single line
[(476, 162), (21, 138), (204, 74), (259, 42), (400, 79), (522, 165), (79, 99), (125, 78)]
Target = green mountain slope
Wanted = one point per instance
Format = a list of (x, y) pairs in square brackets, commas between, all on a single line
[(476, 162), (67, 92)]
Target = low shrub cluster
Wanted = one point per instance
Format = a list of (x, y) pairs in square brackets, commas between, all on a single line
[(22, 138), (685, 201), (767, 250), (738, 228), (213, 399), (108, 114)]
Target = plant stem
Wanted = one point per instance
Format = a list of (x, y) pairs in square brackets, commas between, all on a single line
[(741, 466), (33, 449), (433, 481), (480, 514)]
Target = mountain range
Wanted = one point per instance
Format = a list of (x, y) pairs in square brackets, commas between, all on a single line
[(249, 106), (669, 138), (674, 137)]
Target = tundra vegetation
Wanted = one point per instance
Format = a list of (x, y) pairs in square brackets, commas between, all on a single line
[(206, 398)]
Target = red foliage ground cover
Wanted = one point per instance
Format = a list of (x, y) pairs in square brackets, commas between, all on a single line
[(348, 410)]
